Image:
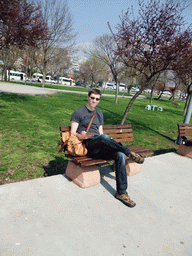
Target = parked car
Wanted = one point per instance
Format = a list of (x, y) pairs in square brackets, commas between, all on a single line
[(134, 89), (95, 86), (78, 83), (167, 94)]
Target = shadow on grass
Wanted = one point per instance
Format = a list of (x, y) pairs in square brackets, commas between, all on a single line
[(9, 97), (57, 166), (113, 118), (146, 128), (164, 151)]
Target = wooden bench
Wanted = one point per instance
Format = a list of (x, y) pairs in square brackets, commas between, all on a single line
[(185, 131), (83, 170)]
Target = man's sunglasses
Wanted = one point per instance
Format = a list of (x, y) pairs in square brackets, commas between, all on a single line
[(93, 98)]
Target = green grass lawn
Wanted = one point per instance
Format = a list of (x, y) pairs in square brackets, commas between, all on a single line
[(29, 130)]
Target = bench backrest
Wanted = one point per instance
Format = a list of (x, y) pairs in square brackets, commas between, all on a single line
[(120, 133), (185, 130)]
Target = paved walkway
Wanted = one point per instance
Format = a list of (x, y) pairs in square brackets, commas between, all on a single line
[(53, 216), (32, 90), (24, 89)]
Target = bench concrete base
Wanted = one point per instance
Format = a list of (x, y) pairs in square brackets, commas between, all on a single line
[(132, 168), (185, 150), (90, 176), (83, 176)]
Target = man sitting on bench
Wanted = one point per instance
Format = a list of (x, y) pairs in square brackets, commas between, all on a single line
[(102, 146)]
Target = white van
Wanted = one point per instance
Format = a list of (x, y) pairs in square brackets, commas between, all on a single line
[(108, 86), (66, 81), (122, 87), (49, 79), (15, 75), (37, 77)]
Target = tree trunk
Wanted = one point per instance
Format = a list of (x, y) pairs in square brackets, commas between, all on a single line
[(129, 105), (117, 88), (26, 68), (161, 93), (151, 96), (180, 96), (5, 57), (5, 73), (174, 92), (129, 89), (44, 75)]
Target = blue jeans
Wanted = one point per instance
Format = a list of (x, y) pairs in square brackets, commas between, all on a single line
[(104, 147)]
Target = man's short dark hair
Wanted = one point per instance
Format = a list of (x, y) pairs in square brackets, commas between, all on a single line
[(94, 91)]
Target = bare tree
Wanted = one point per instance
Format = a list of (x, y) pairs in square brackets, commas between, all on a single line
[(58, 19), (104, 48), (92, 69), (20, 24), (128, 77), (60, 62), (9, 56), (27, 56), (153, 41)]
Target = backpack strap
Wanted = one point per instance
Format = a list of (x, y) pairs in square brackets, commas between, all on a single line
[(91, 121), (62, 145)]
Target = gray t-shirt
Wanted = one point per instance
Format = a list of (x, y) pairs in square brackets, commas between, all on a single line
[(83, 115)]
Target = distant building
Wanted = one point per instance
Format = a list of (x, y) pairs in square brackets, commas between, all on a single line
[(75, 64)]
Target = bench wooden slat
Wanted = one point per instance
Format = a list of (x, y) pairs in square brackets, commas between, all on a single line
[(121, 131), (117, 126), (121, 135), (183, 125), (65, 128), (141, 150), (78, 158), (92, 162), (184, 130), (187, 133), (84, 160), (124, 140)]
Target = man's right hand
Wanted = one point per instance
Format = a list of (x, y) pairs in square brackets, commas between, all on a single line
[(84, 136)]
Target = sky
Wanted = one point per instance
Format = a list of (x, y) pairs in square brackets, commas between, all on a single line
[(91, 16)]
